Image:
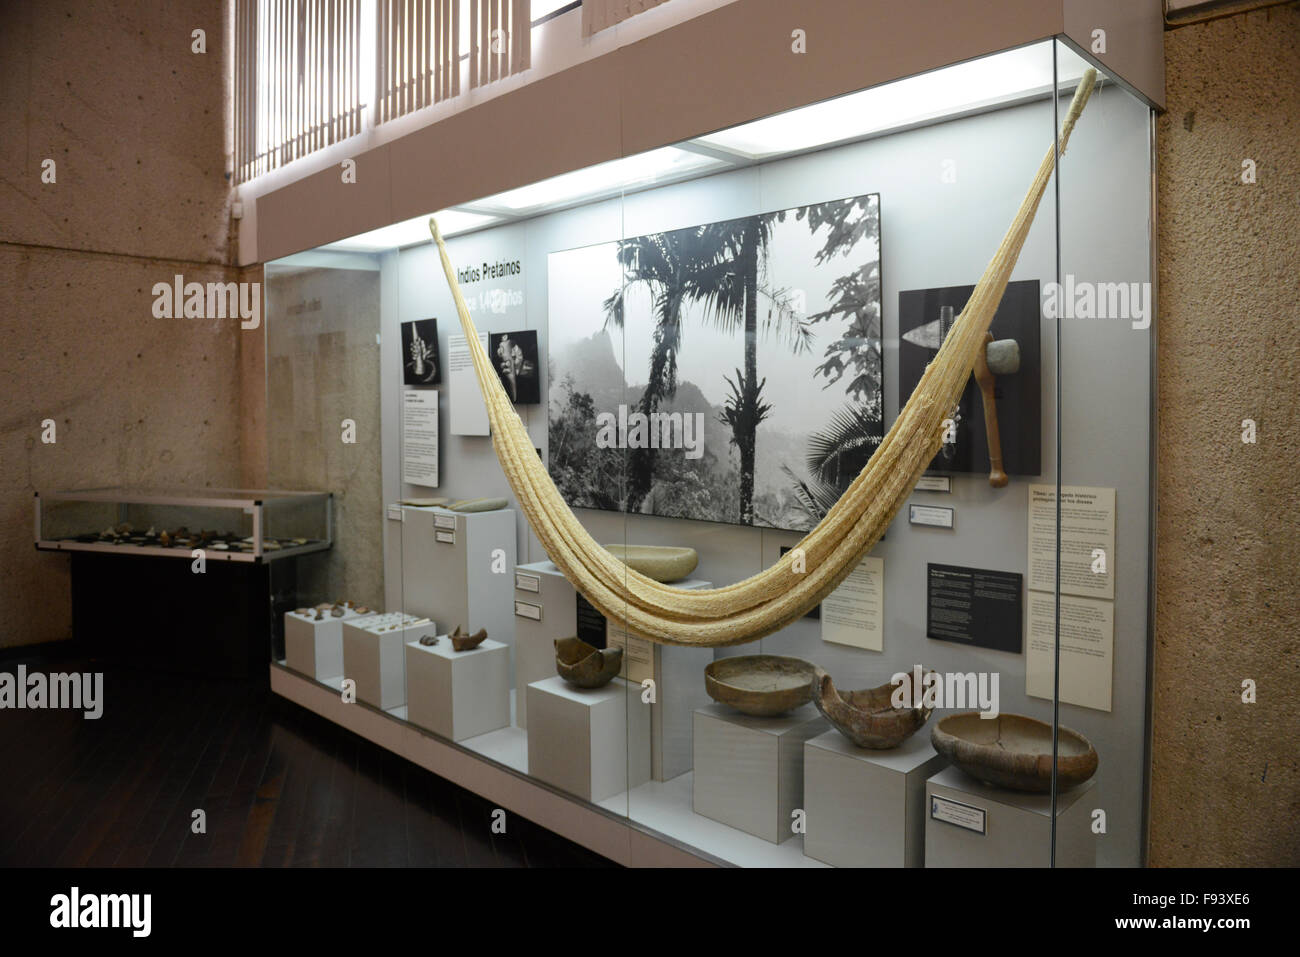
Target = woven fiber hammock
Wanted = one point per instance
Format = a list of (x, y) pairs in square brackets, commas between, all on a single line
[(770, 600)]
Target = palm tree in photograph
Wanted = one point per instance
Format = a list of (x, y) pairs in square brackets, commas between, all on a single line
[(717, 267), (662, 262), (730, 289)]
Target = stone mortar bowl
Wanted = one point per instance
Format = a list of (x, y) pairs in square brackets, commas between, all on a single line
[(868, 718), (584, 665), (663, 563), (761, 685), (1014, 751)]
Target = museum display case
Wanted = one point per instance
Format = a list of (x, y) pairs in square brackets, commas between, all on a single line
[(233, 525), (705, 344)]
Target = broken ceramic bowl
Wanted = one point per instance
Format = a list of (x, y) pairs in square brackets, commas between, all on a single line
[(584, 665), (466, 642), (761, 685), (663, 563), (1014, 751), (869, 718)]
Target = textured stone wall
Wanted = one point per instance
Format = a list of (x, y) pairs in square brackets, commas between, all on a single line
[(134, 121), (1225, 785)]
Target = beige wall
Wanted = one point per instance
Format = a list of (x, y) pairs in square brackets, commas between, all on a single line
[(1225, 784), (134, 122), (323, 365)]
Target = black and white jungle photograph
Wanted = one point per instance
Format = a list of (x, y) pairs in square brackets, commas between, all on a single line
[(515, 356), (420, 364), (764, 330)]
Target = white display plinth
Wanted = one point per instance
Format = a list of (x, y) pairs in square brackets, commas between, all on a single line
[(314, 647), (866, 808), (452, 572), (541, 617), (678, 674), (458, 694), (1017, 826), (749, 771), (374, 658), (594, 743)]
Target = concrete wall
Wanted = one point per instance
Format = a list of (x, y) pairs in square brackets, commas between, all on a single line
[(1225, 785), (135, 124)]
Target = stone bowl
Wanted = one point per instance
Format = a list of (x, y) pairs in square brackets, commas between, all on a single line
[(663, 563), (868, 718), (478, 505), (761, 685), (584, 665), (1014, 751)]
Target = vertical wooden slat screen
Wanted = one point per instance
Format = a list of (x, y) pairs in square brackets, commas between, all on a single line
[(500, 39), (418, 55), (598, 15), (296, 87)]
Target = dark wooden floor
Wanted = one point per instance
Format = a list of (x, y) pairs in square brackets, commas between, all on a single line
[(279, 786)]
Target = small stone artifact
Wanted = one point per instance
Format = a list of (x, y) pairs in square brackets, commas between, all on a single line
[(320, 615), (424, 502), (478, 505), (428, 640), (337, 611), (584, 665), (762, 685), (303, 611), (362, 610), (1014, 751), (464, 642), (868, 718), (663, 563)]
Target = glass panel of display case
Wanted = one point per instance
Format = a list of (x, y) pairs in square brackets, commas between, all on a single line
[(705, 343), (1088, 612)]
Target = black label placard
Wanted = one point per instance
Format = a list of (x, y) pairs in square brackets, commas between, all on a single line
[(591, 623), (974, 606)]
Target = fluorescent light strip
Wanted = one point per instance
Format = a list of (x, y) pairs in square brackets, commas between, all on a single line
[(934, 95), (412, 231)]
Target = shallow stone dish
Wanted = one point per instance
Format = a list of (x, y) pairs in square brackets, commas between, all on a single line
[(584, 665), (761, 685), (425, 502), (663, 563), (868, 717), (1014, 751), (478, 505)]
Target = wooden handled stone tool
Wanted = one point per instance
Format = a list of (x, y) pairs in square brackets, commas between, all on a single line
[(1000, 357)]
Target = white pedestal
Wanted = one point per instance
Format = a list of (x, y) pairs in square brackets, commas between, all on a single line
[(1017, 826), (678, 674), (545, 609), (594, 743), (749, 771), (458, 694), (315, 648), (447, 568), (374, 658), (866, 808)]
